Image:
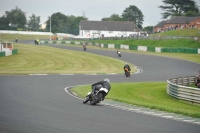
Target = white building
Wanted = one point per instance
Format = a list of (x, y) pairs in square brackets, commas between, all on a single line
[(96, 29)]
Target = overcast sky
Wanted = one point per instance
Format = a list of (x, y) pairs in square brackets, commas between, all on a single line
[(93, 9)]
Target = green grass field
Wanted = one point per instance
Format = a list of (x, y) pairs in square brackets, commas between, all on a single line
[(43, 59)]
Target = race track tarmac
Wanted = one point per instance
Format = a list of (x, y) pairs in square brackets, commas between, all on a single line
[(39, 103)]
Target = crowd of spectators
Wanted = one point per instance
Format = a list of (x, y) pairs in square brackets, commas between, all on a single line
[(175, 27)]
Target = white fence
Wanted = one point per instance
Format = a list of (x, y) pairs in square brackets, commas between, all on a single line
[(176, 88)]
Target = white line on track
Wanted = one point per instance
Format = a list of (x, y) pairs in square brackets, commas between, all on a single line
[(37, 74), (91, 74), (66, 74), (66, 89)]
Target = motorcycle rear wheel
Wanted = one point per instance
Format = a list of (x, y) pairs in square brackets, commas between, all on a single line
[(126, 74), (99, 98)]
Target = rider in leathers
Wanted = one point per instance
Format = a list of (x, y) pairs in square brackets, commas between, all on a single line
[(105, 84), (127, 66)]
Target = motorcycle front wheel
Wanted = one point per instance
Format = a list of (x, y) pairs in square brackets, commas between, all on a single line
[(86, 99)]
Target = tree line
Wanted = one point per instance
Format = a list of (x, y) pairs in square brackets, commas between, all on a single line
[(61, 23)]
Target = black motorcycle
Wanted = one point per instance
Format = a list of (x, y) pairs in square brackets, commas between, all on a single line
[(97, 97)]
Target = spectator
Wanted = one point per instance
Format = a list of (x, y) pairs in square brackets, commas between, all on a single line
[(197, 81), (16, 40)]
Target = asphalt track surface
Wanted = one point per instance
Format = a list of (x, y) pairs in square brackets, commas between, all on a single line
[(39, 103)]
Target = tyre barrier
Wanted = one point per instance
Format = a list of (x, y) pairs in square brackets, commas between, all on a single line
[(176, 87), (130, 47)]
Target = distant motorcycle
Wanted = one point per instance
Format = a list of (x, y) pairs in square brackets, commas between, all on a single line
[(127, 72), (119, 54), (84, 47), (97, 97)]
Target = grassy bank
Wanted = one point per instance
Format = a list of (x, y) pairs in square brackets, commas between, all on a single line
[(44, 59), (173, 43), (148, 94)]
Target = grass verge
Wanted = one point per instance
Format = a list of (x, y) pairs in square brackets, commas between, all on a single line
[(148, 94)]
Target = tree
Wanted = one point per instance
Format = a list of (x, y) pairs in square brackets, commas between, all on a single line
[(61, 23), (191, 14), (4, 23), (148, 29), (75, 24), (178, 7), (58, 23), (105, 19), (34, 22), (113, 17), (16, 17), (132, 13)]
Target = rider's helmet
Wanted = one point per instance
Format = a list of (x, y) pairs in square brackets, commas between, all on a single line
[(126, 63), (106, 79)]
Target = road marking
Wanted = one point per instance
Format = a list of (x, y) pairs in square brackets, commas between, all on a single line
[(37, 74), (66, 89), (167, 116), (111, 73), (66, 74), (91, 74)]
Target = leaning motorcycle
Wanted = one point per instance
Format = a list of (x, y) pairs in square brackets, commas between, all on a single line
[(97, 97), (127, 72)]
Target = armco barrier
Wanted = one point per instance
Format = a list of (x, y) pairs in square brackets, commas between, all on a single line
[(176, 87)]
